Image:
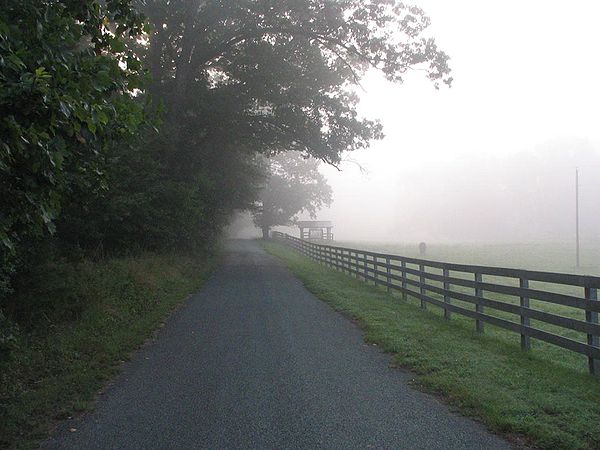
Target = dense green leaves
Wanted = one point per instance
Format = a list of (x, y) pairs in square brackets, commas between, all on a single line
[(67, 84), (65, 94)]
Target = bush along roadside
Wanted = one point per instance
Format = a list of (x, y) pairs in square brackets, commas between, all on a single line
[(63, 337), (529, 397)]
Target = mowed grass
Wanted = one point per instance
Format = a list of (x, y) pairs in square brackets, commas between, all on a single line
[(77, 325), (544, 395), (549, 256), (554, 257)]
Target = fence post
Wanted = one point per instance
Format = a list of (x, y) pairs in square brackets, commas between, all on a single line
[(356, 270), (592, 339), (345, 262), (478, 307), (446, 274), (421, 288), (403, 265), (366, 268), (524, 302), (375, 270), (349, 263), (389, 272)]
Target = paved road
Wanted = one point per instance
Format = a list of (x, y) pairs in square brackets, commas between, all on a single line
[(255, 361)]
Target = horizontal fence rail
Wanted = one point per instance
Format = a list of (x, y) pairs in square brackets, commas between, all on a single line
[(443, 284)]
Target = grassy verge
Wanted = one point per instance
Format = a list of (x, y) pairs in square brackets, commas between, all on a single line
[(82, 321), (484, 376)]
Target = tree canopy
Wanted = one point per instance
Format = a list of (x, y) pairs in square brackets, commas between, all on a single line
[(277, 75), (259, 77), (67, 83), (294, 185)]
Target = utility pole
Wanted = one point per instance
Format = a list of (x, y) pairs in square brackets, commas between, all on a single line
[(577, 216)]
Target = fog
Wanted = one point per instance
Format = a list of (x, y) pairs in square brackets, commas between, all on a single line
[(521, 197), (493, 158)]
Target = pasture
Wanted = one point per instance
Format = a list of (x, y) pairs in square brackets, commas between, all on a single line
[(552, 257)]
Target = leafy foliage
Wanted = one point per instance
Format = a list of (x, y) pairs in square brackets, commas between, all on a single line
[(67, 83), (294, 185), (149, 205)]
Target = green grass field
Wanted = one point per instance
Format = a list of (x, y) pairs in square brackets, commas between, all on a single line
[(545, 395), (552, 257), (546, 257)]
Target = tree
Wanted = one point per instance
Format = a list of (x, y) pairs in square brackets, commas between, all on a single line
[(279, 74), (147, 206), (247, 77), (67, 91), (294, 185)]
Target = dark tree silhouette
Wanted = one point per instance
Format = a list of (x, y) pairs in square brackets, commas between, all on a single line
[(294, 185)]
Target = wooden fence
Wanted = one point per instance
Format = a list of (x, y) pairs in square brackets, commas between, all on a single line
[(421, 278)]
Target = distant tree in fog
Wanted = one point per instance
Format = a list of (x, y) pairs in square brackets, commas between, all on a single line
[(294, 185)]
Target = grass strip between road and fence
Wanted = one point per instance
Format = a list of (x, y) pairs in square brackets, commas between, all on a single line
[(93, 314), (487, 376), (550, 305)]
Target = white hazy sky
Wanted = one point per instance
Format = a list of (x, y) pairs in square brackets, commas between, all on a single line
[(525, 73)]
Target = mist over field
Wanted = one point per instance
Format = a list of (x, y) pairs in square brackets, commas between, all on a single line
[(528, 196), (493, 158)]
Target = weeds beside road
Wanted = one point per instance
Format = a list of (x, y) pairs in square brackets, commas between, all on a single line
[(82, 321)]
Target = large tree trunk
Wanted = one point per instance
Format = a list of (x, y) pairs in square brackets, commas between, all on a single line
[(265, 231)]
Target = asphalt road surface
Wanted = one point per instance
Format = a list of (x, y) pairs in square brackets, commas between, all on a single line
[(256, 361)]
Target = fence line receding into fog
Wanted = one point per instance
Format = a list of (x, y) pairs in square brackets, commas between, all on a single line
[(421, 278)]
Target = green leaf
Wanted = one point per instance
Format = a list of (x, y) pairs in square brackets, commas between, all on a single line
[(103, 117), (117, 45)]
